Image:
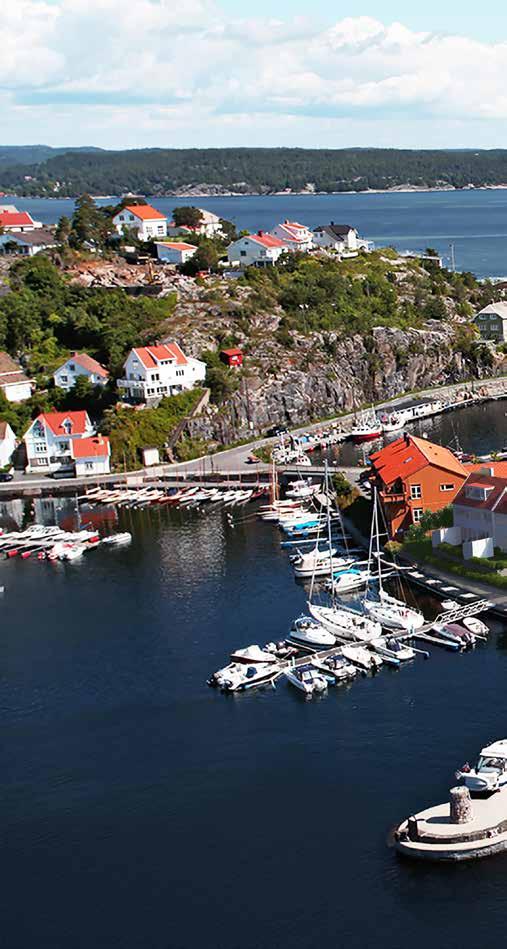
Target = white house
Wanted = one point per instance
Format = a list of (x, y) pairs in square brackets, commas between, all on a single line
[(152, 372), (91, 455), (18, 221), (80, 364), (298, 237), (28, 243), (147, 222), (7, 444), (210, 224), (257, 250), (338, 237), (492, 322), (14, 384), (49, 439), (480, 508), (174, 252)]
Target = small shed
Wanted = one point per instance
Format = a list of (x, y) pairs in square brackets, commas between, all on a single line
[(151, 456), (232, 357)]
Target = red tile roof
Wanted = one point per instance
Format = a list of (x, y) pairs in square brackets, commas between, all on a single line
[(496, 499), (89, 363), (267, 240), (17, 219), (409, 454), (176, 245), (497, 468), (232, 352), (144, 212), (151, 356), (55, 420), (95, 447)]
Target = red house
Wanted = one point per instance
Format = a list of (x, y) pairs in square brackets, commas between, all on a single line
[(232, 357)]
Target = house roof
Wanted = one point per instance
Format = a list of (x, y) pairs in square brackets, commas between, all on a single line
[(7, 363), (496, 499), (89, 363), (144, 212), (151, 356), (335, 230), (10, 371), (499, 308), (409, 454), (15, 219), (97, 446), (293, 229), (232, 352), (39, 238), (55, 420), (267, 240), (176, 245), (498, 469)]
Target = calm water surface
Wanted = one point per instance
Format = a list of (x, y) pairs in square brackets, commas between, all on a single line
[(142, 809), (474, 221)]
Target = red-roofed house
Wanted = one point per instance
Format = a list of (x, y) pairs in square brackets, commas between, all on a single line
[(480, 509), (256, 250), (19, 221), (80, 364), (232, 357), (174, 252), (147, 222), (297, 236), (412, 475), (91, 455), (152, 372), (49, 439)]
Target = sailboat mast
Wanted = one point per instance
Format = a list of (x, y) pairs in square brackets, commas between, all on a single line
[(375, 503), (328, 509)]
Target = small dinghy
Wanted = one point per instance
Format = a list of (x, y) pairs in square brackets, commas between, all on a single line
[(307, 679), (476, 626), (308, 634)]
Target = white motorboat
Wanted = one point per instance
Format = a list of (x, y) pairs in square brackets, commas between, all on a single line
[(456, 634), (117, 540), (393, 613), (239, 676), (252, 655), (363, 658), (307, 679), (490, 772), (301, 489), (394, 421), (310, 635), (71, 551), (335, 668), (392, 650), (475, 626), (348, 579), (320, 564), (345, 624)]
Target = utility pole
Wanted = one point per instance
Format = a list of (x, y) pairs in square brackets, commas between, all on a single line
[(453, 258)]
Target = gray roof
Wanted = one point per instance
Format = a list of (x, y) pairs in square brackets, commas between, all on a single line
[(41, 237), (335, 230)]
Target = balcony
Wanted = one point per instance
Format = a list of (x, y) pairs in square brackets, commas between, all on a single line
[(393, 497)]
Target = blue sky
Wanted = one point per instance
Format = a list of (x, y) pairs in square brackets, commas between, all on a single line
[(209, 73)]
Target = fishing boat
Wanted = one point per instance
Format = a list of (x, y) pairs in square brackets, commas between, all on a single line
[(363, 658), (310, 635), (307, 679), (367, 428), (240, 677), (335, 668)]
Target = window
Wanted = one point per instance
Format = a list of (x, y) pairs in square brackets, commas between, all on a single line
[(64, 378), (415, 491), (72, 367), (447, 487), (41, 448), (88, 465), (242, 253), (417, 514), (63, 446)]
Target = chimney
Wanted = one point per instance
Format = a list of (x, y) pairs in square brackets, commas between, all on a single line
[(406, 436), (260, 233)]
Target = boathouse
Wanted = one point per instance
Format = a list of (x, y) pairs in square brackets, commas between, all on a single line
[(232, 357)]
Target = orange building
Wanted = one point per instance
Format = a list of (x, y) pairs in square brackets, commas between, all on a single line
[(412, 476)]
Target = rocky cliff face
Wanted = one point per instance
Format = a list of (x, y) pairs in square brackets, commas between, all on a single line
[(328, 376)]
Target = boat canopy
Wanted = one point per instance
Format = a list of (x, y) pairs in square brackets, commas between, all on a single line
[(497, 750), (253, 654)]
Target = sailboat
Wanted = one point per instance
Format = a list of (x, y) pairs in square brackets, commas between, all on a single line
[(382, 606), (341, 622)]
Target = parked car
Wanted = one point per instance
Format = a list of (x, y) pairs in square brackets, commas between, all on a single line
[(6, 476), (69, 472), (277, 430)]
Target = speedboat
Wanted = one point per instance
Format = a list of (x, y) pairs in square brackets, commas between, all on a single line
[(310, 635), (456, 634), (490, 772), (393, 613), (346, 624), (366, 660), (116, 540), (238, 677), (476, 626), (307, 679), (252, 654), (392, 651), (346, 580), (335, 668)]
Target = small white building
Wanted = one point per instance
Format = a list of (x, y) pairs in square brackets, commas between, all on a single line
[(210, 224), (256, 250), (296, 236), (91, 455), (147, 222), (480, 508), (27, 243), (50, 437), (174, 252), (153, 372), (492, 322), (14, 384), (80, 364), (7, 444), (338, 237)]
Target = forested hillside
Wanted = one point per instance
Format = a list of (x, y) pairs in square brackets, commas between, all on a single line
[(251, 170)]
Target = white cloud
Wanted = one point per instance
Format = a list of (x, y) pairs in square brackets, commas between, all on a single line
[(177, 73)]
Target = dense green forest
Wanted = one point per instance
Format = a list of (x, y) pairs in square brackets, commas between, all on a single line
[(262, 170), (34, 154)]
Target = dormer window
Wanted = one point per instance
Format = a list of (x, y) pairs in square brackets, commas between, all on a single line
[(67, 426), (38, 430), (478, 492)]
